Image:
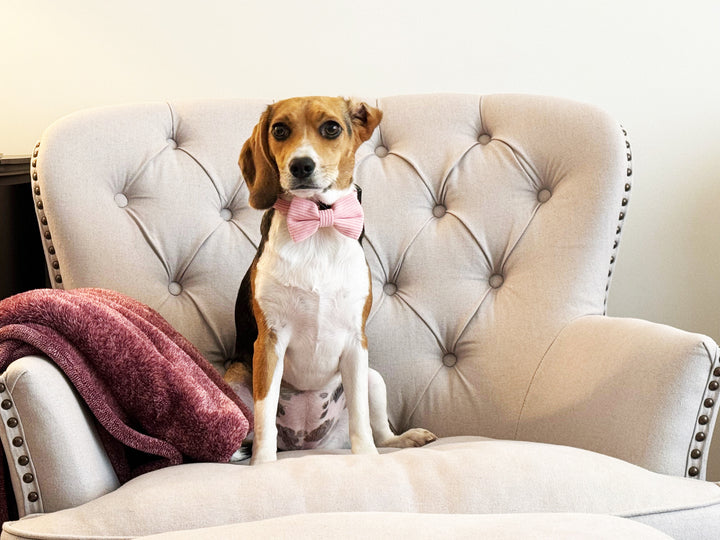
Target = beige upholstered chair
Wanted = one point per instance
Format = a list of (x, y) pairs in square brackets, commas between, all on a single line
[(492, 229)]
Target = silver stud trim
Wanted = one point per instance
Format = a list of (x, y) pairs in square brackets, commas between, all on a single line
[(703, 423), (53, 265), (18, 454), (621, 217)]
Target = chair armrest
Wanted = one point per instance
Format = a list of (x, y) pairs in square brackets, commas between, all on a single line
[(55, 456), (635, 390)]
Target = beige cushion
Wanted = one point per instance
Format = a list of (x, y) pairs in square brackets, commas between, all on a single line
[(456, 475), (391, 526)]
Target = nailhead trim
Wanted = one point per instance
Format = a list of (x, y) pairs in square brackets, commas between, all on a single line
[(53, 264), (703, 422), (621, 217), (18, 451)]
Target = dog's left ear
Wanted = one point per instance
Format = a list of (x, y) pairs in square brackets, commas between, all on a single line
[(364, 120)]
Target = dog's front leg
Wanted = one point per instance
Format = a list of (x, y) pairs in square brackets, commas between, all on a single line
[(268, 362), (354, 373)]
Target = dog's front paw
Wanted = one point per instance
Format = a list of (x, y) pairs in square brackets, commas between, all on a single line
[(260, 457), (412, 437), (364, 449)]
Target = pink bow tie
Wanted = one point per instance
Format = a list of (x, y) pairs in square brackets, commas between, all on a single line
[(304, 217)]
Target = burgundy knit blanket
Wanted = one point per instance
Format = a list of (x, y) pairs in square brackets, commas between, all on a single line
[(148, 387)]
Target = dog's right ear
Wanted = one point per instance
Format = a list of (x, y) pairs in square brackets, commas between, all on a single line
[(258, 166)]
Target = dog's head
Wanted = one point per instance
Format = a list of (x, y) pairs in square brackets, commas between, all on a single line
[(305, 146)]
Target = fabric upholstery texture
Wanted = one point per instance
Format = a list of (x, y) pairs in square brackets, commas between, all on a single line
[(453, 476), (492, 229), (386, 525), (60, 435)]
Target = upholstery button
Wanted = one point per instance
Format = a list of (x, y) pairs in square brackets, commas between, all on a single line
[(121, 200), (172, 143), (484, 138), (449, 360), (389, 289), (439, 211), (175, 288), (381, 151), (544, 195), (496, 281), (226, 214)]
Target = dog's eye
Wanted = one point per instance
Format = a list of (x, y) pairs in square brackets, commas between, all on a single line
[(280, 132), (330, 130)]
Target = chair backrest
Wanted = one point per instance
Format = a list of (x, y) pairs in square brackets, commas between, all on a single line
[(491, 222)]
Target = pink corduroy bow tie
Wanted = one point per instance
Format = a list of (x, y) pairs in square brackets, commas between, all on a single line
[(304, 217)]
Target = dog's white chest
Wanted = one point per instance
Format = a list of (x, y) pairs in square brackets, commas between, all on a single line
[(312, 295)]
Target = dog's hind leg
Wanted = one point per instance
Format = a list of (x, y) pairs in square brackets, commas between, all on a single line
[(382, 433)]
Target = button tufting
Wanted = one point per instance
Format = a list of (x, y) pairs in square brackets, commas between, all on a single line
[(439, 210), (175, 288), (389, 289), (121, 200), (544, 195), (449, 360), (226, 214), (172, 143), (381, 151), (496, 281), (484, 138)]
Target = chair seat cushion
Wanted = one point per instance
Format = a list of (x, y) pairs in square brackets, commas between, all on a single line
[(390, 526), (460, 475)]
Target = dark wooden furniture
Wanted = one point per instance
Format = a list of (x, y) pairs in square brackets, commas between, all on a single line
[(22, 262)]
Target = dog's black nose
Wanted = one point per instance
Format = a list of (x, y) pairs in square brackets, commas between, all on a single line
[(302, 167)]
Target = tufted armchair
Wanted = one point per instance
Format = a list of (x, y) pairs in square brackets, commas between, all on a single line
[(492, 230)]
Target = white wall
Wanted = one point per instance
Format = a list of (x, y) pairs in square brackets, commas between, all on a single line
[(653, 64)]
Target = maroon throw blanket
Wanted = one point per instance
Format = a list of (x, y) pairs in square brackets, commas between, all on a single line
[(148, 387)]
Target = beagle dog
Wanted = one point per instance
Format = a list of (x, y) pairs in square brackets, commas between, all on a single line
[(302, 306)]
